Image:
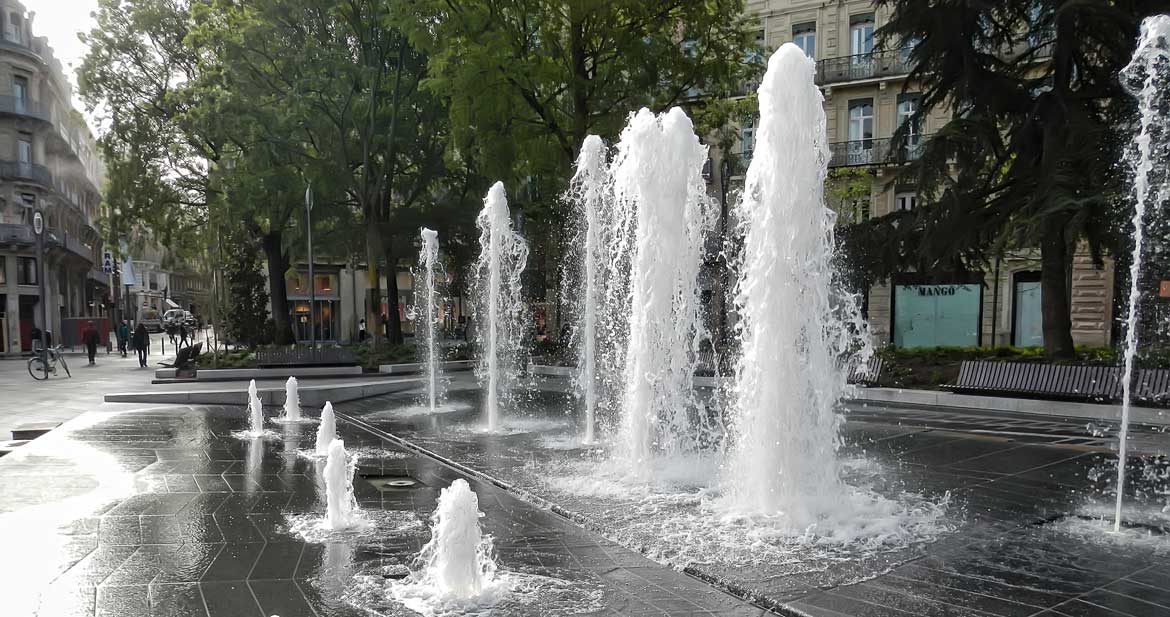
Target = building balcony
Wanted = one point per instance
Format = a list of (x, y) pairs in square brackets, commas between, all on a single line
[(16, 235), (873, 152), (874, 65), (23, 107), (20, 46), (27, 172)]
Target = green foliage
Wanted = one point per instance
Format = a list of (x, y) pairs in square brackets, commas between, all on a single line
[(246, 322), (1028, 158), (228, 359)]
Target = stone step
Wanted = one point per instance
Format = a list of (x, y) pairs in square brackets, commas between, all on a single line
[(7, 447), (33, 430)]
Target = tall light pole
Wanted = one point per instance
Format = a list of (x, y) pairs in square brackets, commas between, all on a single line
[(39, 230), (312, 281)]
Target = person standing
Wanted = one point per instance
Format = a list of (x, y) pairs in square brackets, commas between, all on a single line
[(362, 330), (123, 337), (142, 344), (91, 338)]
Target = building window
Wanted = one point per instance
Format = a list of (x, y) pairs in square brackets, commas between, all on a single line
[(1027, 314), (932, 315), (19, 93), (861, 210), (908, 106), (3, 270), (805, 37), (13, 31), (26, 271), (861, 36), (861, 121), (747, 139), (153, 279), (24, 153), (905, 202)]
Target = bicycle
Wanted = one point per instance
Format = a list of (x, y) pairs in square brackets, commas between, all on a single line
[(41, 365)]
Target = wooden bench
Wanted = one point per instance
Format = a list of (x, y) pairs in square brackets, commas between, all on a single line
[(867, 374), (1066, 382), (329, 356)]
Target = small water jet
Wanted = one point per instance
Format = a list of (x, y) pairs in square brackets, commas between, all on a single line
[(327, 431), (255, 410), (456, 567), (341, 507), (587, 194), (426, 323), (500, 317), (292, 401), (662, 215), (1148, 79)]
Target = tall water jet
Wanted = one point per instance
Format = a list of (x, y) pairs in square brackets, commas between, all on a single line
[(789, 376), (457, 562), (1148, 79), (341, 506), (587, 195), (500, 318), (255, 410), (327, 430), (662, 214), (292, 401), (425, 321)]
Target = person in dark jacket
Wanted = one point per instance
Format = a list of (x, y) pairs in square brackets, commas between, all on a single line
[(141, 344), (182, 335), (91, 338), (123, 337)]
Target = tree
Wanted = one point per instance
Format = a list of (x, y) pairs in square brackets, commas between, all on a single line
[(1029, 155), (246, 316)]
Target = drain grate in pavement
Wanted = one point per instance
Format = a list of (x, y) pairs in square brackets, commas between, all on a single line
[(393, 483)]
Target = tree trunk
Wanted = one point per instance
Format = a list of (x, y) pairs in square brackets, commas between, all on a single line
[(277, 289), (393, 319), (1055, 257), (373, 246)]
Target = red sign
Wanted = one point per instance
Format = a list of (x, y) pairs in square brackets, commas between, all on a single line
[(1164, 290)]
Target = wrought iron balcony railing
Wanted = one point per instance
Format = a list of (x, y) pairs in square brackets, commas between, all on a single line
[(31, 172), (890, 63), (24, 107), (873, 152)]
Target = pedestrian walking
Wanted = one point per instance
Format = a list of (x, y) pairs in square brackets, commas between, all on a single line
[(123, 337), (362, 330), (141, 344), (182, 335), (90, 338)]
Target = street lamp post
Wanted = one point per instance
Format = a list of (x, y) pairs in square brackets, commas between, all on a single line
[(39, 230), (312, 281)]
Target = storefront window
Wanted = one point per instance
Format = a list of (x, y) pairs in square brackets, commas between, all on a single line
[(327, 320), (937, 315)]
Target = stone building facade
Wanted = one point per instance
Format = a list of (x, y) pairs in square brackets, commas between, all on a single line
[(48, 162), (867, 98)]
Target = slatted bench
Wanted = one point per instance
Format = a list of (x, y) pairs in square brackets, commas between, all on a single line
[(329, 356), (867, 374), (1065, 382)]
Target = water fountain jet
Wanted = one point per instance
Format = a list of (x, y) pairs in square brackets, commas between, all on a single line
[(1148, 78), (292, 401), (428, 259), (327, 431), (255, 410), (662, 215), (789, 376), (341, 507), (501, 320)]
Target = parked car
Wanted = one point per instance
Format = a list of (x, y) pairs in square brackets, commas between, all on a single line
[(174, 317), (151, 319)]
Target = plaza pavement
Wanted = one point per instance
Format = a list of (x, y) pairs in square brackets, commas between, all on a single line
[(24, 400)]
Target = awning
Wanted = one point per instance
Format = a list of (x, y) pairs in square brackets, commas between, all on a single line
[(171, 304)]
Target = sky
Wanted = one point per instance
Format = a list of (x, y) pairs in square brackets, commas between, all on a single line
[(60, 21)]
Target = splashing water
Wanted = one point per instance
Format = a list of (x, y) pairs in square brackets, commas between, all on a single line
[(341, 507), (292, 401), (662, 213), (255, 410), (501, 321), (456, 567), (788, 377), (327, 431), (428, 260), (587, 194), (1148, 78)]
